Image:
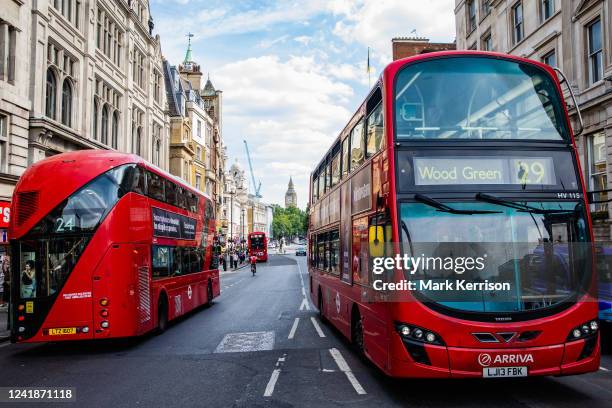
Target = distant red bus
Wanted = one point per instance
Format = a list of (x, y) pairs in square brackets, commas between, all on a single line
[(258, 246), (106, 245), (453, 150)]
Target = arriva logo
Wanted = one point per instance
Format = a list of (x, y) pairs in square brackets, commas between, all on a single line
[(485, 359)]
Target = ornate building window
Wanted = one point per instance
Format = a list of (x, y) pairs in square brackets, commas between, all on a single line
[(115, 130), (70, 9), (156, 144), (109, 37), (61, 70), (51, 92), (3, 143), (108, 111), (8, 44), (518, 31), (157, 86), (94, 120), (138, 68), (595, 53), (67, 102), (104, 125), (137, 126)]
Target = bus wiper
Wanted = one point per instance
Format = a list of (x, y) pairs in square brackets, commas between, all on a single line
[(517, 206), (445, 208)]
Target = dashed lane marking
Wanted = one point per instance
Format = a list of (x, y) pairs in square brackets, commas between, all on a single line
[(294, 328), (603, 369), (317, 327), (274, 376), (344, 367)]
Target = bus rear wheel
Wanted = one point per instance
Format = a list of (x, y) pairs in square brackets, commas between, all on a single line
[(162, 315), (209, 294), (357, 331)]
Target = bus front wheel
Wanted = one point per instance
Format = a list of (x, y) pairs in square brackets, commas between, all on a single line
[(162, 314)]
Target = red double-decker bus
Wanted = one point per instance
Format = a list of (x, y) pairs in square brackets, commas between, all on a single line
[(257, 243), (458, 149), (106, 245)]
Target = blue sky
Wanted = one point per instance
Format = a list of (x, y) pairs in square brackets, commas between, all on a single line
[(291, 72)]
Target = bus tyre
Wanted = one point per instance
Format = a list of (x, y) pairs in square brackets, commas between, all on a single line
[(162, 315), (357, 331), (209, 294), (320, 306)]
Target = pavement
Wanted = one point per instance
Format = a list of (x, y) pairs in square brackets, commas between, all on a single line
[(261, 345)]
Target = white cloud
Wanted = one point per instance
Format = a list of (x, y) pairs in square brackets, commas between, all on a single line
[(374, 23), (289, 111), (303, 39)]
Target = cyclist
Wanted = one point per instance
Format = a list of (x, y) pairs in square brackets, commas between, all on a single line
[(253, 260)]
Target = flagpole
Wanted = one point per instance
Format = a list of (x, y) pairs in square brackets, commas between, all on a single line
[(368, 68)]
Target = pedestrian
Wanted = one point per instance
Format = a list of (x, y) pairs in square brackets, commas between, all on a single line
[(235, 258), (4, 277), (28, 280)]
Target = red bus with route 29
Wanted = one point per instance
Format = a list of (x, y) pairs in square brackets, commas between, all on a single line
[(468, 150)]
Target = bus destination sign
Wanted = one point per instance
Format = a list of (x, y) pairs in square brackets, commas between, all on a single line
[(171, 225), (484, 170)]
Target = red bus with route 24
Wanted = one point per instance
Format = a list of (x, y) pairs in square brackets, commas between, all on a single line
[(459, 147), (106, 245), (257, 244)]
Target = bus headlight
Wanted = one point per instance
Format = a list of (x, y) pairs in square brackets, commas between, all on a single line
[(85, 329), (586, 329), (104, 324), (419, 334)]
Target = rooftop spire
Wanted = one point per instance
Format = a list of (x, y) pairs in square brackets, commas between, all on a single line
[(188, 57)]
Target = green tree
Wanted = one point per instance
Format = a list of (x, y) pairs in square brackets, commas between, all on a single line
[(288, 222)]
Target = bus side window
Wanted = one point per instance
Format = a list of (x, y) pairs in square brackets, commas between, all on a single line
[(161, 261), (181, 199), (171, 192), (176, 262), (138, 180), (155, 186), (375, 131), (345, 156), (357, 145)]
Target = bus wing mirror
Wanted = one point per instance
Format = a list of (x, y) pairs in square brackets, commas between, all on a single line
[(376, 241), (571, 92)]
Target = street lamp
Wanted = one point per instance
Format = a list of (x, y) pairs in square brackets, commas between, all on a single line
[(232, 192), (242, 225)]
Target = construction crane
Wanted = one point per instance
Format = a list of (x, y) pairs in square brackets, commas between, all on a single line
[(256, 187)]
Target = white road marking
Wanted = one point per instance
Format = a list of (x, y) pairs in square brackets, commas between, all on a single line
[(305, 304), (344, 367), (317, 327), (274, 377), (272, 383), (6, 343), (294, 328), (303, 291), (603, 368)]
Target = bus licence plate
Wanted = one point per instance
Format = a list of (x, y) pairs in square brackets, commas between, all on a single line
[(489, 372), (62, 331)]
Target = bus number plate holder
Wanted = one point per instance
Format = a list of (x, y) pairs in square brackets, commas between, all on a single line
[(62, 331), (498, 372)]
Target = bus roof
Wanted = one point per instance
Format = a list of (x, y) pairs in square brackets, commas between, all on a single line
[(57, 177), (392, 68)]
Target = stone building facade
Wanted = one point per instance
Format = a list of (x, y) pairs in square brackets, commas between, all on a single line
[(576, 37), (197, 152), (15, 102), (97, 79)]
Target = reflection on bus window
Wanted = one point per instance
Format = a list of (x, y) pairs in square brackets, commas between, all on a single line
[(499, 100), (357, 146)]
